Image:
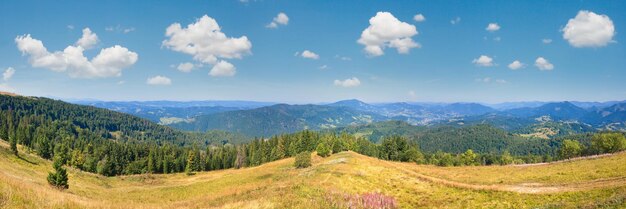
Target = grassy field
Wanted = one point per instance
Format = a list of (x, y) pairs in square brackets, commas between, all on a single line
[(332, 182)]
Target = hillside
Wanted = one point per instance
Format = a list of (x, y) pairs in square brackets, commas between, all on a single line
[(278, 119), (166, 112), (330, 182)]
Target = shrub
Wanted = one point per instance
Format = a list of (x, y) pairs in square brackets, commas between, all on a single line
[(303, 160), (323, 150)]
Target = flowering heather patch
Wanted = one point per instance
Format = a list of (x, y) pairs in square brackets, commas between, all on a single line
[(373, 200)]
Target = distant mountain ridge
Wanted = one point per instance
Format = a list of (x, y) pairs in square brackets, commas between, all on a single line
[(263, 119)]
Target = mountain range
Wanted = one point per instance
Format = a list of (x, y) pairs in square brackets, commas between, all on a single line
[(266, 119)]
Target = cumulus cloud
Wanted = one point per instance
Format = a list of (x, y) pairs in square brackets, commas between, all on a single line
[(223, 69), (419, 18), (492, 27), (546, 41), (108, 63), (543, 64), (88, 40), (205, 41), (350, 82), (185, 67), (159, 80), (280, 19), (8, 73), (455, 21), (384, 31), (309, 55), (516, 65), (483, 61), (589, 29)]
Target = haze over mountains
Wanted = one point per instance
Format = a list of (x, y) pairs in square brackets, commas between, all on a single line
[(266, 118)]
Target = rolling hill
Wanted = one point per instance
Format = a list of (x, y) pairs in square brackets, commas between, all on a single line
[(338, 181), (277, 119)]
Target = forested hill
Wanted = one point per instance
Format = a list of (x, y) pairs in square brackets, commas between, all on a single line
[(88, 121), (278, 119)]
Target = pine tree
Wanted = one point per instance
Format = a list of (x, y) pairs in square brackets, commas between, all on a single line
[(59, 178), (13, 142), (190, 163), (152, 166)]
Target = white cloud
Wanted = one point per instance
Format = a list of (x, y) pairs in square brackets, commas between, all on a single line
[(455, 21), (309, 55), (159, 80), (185, 67), (385, 30), (108, 63), (128, 30), (8, 73), (516, 65), (71, 27), (119, 29), (492, 27), (280, 19), (223, 69), (323, 67), (121, 82), (546, 41), (343, 58), (205, 41), (484, 80), (490, 80), (589, 29), (350, 82), (543, 64), (419, 18), (483, 61), (88, 39)]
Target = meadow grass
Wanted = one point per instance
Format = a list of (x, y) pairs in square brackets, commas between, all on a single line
[(347, 174)]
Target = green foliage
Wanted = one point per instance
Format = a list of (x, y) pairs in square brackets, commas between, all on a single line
[(13, 143), (413, 155), (608, 142), (59, 178), (303, 160), (469, 158), (506, 158), (323, 150), (278, 119), (570, 149)]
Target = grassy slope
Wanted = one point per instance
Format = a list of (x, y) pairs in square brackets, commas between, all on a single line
[(279, 185)]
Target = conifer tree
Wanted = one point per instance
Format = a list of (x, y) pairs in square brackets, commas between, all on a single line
[(59, 178)]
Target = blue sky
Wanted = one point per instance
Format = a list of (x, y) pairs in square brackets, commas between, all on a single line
[(587, 65)]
